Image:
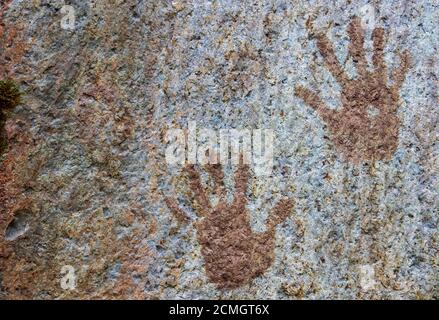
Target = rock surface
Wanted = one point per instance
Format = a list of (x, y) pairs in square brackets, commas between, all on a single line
[(84, 181)]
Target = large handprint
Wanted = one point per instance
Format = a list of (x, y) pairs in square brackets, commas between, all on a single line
[(366, 126), (233, 253)]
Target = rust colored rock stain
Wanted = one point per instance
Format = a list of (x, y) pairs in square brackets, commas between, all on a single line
[(233, 254), (12, 49), (12, 45), (366, 127), (11, 185)]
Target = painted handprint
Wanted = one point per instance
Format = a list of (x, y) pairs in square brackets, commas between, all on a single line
[(233, 254), (366, 126)]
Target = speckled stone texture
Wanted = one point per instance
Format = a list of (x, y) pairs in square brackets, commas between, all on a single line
[(83, 180)]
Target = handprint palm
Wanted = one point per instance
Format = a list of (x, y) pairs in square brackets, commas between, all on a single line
[(367, 125), (233, 253)]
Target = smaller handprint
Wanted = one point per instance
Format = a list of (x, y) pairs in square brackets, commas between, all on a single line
[(233, 254), (366, 127)]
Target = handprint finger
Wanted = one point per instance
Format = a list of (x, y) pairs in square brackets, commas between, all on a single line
[(379, 42), (280, 212), (401, 72), (356, 47), (313, 100), (241, 181), (216, 172), (179, 214), (331, 60), (199, 192)]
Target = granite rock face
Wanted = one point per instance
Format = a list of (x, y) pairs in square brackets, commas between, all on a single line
[(91, 209)]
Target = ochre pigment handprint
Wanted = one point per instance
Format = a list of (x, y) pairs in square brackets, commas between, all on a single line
[(233, 254), (366, 126)]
